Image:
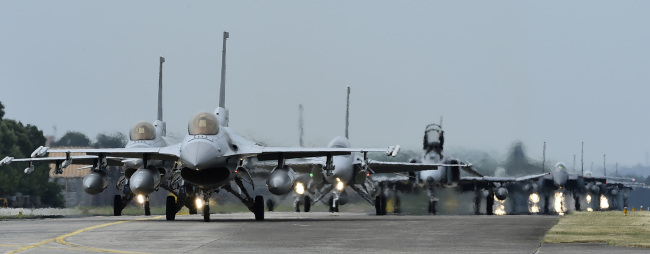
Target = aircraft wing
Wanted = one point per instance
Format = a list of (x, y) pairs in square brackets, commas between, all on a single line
[(169, 153), (392, 178), (497, 179), (301, 165), (77, 159), (595, 179), (273, 153), (472, 171), (402, 167)]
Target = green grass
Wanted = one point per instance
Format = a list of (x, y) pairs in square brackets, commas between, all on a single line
[(611, 227)]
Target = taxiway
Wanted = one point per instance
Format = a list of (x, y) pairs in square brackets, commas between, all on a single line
[(285, 232)]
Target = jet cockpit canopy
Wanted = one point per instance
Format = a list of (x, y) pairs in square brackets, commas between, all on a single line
[(203, 123), (560, 167), (143, 130), (339, 142)]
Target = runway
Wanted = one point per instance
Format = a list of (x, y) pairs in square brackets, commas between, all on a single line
[(283, 232)]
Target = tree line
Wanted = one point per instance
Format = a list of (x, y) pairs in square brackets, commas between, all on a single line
[(19, 140)]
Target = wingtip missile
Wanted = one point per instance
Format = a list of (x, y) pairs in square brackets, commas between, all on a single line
[(40, 151), (6, 161), (393, 150)]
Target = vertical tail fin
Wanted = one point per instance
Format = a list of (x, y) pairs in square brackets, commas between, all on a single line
[(163, 126), (222, 95), (347, 115), (160, 110), (300, 125)]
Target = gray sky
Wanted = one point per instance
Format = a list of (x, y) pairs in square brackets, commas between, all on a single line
[(498, 71)]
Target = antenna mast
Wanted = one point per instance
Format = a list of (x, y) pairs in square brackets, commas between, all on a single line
[(300, 125), (582, 159), (160, 113), (604, 168), (222, 94), (544, 158), (347, 115)]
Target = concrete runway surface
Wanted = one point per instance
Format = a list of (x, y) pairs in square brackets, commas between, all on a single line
[(288, 232)]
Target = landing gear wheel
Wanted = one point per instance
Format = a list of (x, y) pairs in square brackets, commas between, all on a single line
[(297, 206), (258, 208), (331, 204), (546, 205), (397, 205), (489, 204), (270, 205), (307, 204), (380, 205), (336, 206), (170, 208), (206, 213), (193, 209), (432, 207), (147, 208), (117, 205)]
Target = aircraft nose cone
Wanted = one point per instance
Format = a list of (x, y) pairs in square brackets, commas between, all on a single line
[(199, 155), (560, 178), (142, 182)]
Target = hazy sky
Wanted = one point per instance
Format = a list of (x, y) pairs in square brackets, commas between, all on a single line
[(498, 71)]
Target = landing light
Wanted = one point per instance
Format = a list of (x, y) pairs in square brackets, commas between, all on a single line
[(300, 188), (140, 199), (199, 202), (339, 184), (534, 200), (603, 202)]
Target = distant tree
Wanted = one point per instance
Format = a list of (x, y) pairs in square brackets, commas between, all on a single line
[(18, 140), (72, 139), (2, 111), (115, 140)]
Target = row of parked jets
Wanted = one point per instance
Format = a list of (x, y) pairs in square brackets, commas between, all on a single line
[(213, 157)]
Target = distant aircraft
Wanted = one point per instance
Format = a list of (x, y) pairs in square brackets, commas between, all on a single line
[(212, 156), (354, 171), (579, 185), (449, 175), (136, 180)]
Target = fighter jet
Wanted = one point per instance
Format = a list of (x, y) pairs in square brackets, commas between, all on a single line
[(449, 175), (212, 156), (353, 171), (579, 185), (135, 180)]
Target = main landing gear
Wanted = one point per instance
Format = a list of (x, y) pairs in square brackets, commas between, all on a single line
[(206, 212), (170, 208), (258, 208), (117, 205), (147, 208), (432, 206), (306, 202), (380, 205), (334, 205)]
